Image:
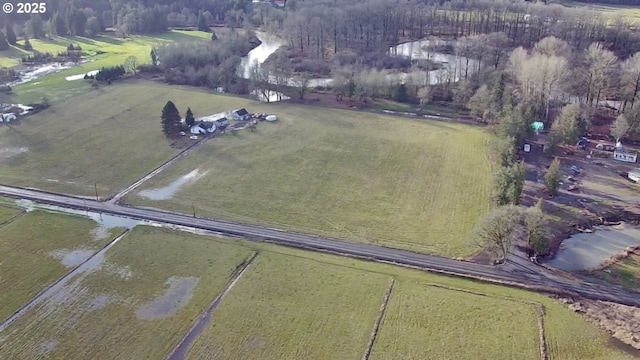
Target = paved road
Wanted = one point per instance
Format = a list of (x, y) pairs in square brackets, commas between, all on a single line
[(514, 272)]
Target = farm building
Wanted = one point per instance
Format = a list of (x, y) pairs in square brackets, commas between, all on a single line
[(240, 115), (625, 155), (203, 127), (210, 127), (7, 117), (196, 129), (634, 174), (222, 123)]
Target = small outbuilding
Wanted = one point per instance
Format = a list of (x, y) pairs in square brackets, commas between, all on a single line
[(622, 154), (634, 174), (240, 115), (7, 117), (222, 123)]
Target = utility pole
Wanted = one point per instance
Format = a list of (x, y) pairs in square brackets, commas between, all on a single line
[(194, 209), (95, 186)]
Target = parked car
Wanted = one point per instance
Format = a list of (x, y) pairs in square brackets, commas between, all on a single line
[(605, 147)]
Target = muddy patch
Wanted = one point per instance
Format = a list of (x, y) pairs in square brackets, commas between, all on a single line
[(9, 152), (175, 297), (72, 258), (621, 321), (98, 302), (167, 192), (589, 251), (46, 347)]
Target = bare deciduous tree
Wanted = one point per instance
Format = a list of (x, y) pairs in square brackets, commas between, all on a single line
[(600, 66), (620, 127), (497, 229), (631, 78), (131, 64), (552, 46)]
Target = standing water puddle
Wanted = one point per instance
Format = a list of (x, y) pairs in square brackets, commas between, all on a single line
[(175, 297), (588, 251), (72, 258), (59, 291), (168, 191)]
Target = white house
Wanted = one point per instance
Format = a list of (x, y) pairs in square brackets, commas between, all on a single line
[(209, 127), (8, 117), (196, 129), (240, 115), (634, 174), (622, 154)]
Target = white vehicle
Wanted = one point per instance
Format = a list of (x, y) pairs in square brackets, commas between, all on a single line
[(193, 137)]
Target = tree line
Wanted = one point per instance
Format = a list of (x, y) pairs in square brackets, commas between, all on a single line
[(322, 27), (208, 63), (91, 17)]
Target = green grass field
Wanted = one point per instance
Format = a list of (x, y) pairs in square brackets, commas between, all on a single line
[(110, 313), (6, 213), (115, 51), (417, 185), (460, 326), (623, 11), (290, 304), (309, 310), (625, 272), (29, 261), (110, 137)]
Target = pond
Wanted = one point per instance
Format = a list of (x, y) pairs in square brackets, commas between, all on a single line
[(589, 251)]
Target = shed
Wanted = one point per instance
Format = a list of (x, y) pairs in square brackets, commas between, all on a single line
[(622, 154), (222, 123), (241, 115), (8, 117), (634, 174)]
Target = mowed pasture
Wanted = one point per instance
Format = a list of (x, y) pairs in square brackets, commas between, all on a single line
[(460, 326), (136, 304), (143, 296), (107, 138), (308, 310), (7, 213), (418, 185), (102, 51), (38, 248)]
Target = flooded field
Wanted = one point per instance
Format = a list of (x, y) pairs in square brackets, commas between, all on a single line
[(589, 251), (168, 191), (40, 248), (142, 294)]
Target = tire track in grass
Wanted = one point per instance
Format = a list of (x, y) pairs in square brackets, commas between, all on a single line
[(376, 325), (13, 218), (180, 351)]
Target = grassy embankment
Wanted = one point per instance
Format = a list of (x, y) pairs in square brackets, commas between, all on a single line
[(290, 304), (29, 246)]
